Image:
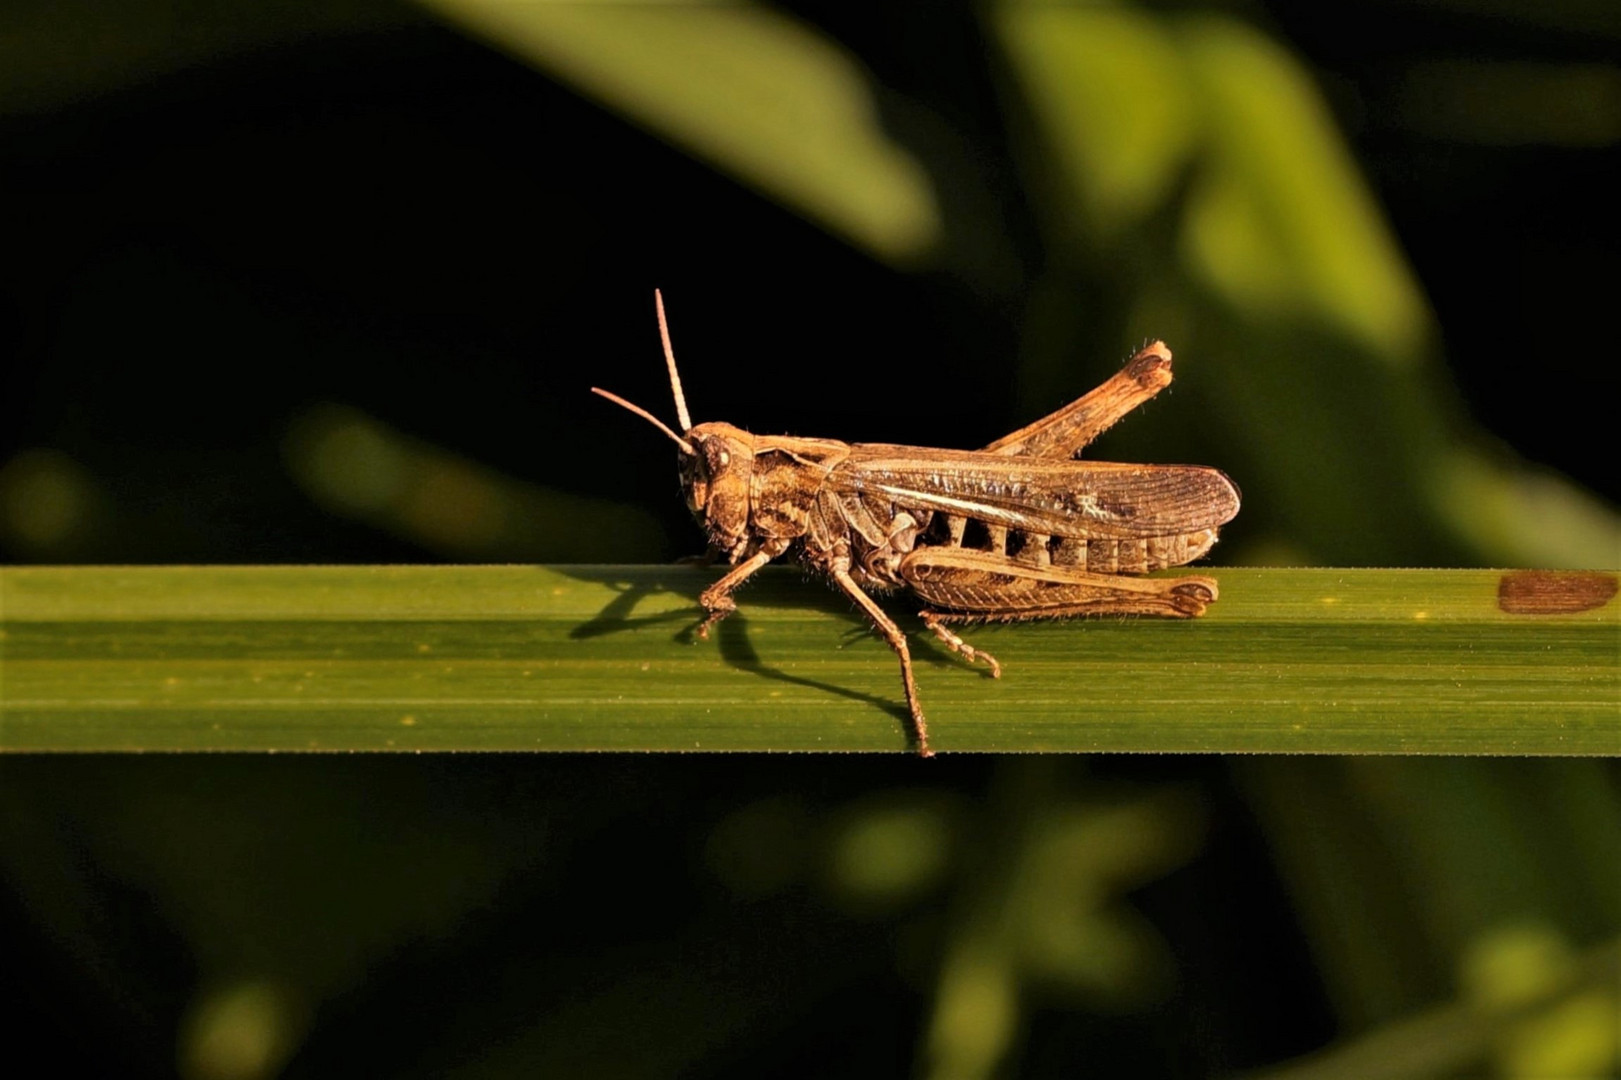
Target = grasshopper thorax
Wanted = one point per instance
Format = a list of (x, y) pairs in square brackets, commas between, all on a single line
[(715, 480)]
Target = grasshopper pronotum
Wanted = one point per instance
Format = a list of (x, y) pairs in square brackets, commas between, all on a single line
[(1018, 530)]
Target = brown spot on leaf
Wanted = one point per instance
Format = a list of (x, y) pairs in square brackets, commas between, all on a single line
[(1554, 592)]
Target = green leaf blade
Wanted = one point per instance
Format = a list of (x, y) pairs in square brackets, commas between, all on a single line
[(602, 658)]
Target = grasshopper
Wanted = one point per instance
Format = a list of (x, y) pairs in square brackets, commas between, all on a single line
[(1017, 530)]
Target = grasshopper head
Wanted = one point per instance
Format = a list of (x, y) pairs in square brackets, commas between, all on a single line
[(716, 480)]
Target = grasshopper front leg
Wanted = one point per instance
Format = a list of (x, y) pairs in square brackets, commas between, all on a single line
[(717, 599)]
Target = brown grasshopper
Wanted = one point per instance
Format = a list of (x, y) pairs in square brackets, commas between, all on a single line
[(1018, 530)]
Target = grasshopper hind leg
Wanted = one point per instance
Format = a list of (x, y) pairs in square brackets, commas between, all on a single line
[(962, 586), (1170, 598)]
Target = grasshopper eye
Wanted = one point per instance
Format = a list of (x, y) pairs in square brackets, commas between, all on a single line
[(716, 457)]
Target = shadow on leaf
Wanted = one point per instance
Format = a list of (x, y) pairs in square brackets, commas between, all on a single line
[(732, 633)]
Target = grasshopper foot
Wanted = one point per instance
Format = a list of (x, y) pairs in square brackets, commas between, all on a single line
[(958, 645), (716, 607), (710, 620), (1189, 596)]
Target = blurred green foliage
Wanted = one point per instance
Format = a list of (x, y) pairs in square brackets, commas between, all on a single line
[(747, 87), (1060, 180), (359, 468)]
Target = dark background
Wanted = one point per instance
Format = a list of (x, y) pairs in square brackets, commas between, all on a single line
[(288, 231)]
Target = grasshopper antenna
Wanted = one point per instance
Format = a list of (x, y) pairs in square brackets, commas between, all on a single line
[(669, 358), (685, 446)]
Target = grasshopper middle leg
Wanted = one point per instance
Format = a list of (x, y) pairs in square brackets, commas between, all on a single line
[(934, 621), (897, 641)]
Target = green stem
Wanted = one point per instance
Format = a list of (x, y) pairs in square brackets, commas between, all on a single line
[(601, 658)]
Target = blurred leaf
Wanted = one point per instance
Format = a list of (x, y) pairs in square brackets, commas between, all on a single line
[(1513, 965), (1041, 915), (1490, 882), (749, 89), (1074, 939), (890, 852), (1109, 88), (360, 468), (1577, 1036), (1567, 1033), (243, 1031), (1280, 221), (976, 1010), (1531, 517), (421, 658)]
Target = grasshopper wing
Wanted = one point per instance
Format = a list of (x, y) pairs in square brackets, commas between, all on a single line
[(1047, 496)]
